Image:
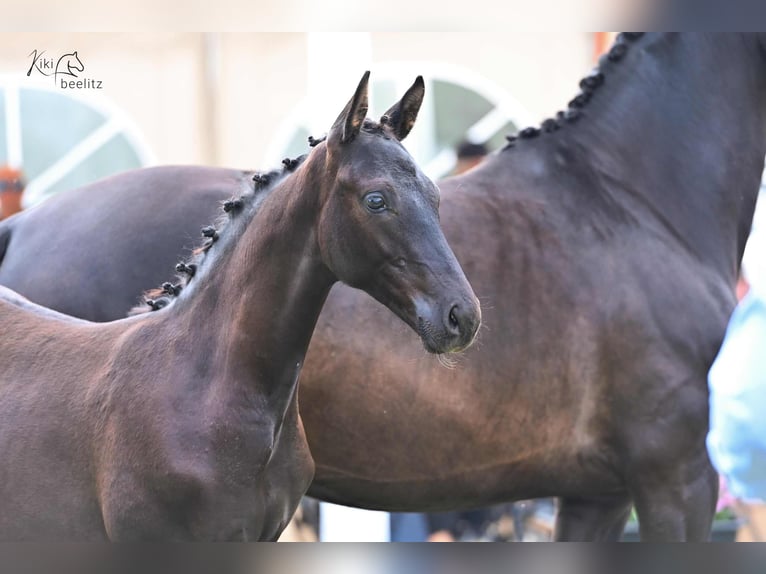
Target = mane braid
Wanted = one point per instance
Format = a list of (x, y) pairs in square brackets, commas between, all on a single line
[(263, 183), (381, 129), (313, 142), (588, 86)]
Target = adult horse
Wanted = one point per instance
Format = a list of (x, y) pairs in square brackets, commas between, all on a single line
[(184, 424), (87, 252), (605, 246)]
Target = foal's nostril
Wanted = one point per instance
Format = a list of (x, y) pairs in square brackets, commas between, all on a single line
[(461, 323), (454, 323)]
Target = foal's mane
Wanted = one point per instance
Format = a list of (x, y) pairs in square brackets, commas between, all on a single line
[(588, 86), (230, 225)]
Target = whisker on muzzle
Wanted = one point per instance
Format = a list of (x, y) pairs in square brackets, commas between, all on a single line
[(447, 360)]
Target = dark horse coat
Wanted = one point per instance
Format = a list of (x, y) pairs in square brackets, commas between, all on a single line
[(605, 247), (183, 424)]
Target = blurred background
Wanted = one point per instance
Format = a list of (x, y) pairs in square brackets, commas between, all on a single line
[(247, 100)]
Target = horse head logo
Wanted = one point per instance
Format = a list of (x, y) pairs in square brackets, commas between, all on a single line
[(68, 64)]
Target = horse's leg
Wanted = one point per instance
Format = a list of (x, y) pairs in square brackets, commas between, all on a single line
[(678, 504), (597, 518)]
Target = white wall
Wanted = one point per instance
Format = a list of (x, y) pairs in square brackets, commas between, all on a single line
[(257, 79)]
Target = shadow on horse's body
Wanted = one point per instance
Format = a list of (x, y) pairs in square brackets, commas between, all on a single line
[(183, 424), (605, 248)]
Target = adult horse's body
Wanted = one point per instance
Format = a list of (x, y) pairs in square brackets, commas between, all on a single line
[(606, 251), (183, 424), (88, 253)]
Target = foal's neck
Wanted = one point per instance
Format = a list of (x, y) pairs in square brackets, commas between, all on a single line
[(260, 299)]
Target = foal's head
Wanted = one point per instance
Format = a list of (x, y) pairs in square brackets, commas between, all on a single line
[(379, 227)]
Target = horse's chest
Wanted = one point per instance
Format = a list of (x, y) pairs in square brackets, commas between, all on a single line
[(229, 483), (255, 493)]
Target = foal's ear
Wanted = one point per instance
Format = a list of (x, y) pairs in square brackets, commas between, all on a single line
[(350, 120), (402, 115)]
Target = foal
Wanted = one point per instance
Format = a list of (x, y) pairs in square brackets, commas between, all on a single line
[(183, 424)]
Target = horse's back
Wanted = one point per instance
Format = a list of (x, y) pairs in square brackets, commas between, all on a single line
[(106, 240)]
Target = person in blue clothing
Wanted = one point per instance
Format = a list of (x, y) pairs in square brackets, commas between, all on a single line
[(737, 438)]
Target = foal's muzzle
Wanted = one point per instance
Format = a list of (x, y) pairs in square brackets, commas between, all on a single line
[(448, 328)]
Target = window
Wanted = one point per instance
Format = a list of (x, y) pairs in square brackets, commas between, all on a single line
[(62, 140), (460, 105)]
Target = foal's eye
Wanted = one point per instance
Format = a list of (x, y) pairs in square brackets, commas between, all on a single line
[(375, 202)]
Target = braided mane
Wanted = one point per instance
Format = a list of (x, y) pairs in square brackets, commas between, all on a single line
[(237, 209), (225, 230), (588, 86)]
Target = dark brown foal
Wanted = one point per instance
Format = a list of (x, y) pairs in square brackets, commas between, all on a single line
[(183, 424)]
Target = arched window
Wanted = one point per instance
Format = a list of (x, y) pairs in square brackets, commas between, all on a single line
[(64, 139), (459, 105)]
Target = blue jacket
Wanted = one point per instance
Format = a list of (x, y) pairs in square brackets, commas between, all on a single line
[(737, 438)]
